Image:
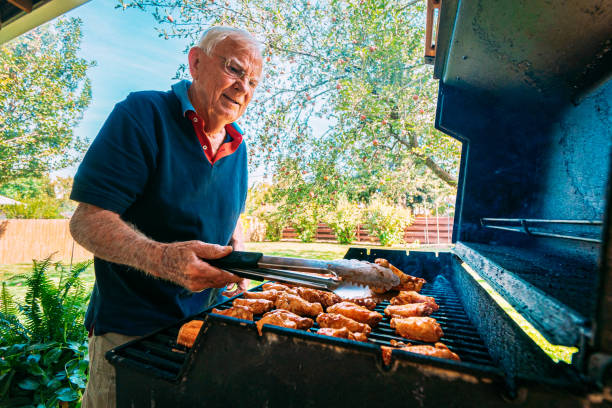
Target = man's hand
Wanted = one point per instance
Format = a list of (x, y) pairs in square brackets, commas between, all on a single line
[(182, 263), (105, 234), (237, 288)]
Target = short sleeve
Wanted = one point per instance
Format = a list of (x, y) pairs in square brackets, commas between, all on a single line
[(115, 169)]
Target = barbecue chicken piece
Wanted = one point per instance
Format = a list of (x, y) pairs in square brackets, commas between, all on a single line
[(406, 297), (266, 294), (407, 282), (257, 306), (278, 286), (337, 321), (342, 333), (368, 303), (284, 318), (326, 299), (418, 328), (356, 312), (438, 350), (239, 312), (188, 332), (297, 305), (409, 310)]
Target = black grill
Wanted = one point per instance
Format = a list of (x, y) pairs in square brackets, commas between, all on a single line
[(159, 353)]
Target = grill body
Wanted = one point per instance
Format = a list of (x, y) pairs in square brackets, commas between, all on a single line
[(231, 365)]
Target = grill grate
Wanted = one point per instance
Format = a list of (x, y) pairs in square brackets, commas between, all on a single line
[(160, 353)]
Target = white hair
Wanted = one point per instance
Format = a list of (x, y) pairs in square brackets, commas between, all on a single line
[(214, 35)]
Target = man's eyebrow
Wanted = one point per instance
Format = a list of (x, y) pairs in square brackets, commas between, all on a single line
[(241, 66)]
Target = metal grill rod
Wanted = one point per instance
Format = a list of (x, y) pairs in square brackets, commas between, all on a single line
[(524, 228)]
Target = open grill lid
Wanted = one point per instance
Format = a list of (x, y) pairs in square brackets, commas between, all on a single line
[(524, 87)]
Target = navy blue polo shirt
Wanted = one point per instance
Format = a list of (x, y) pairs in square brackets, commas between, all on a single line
[(148, 165)]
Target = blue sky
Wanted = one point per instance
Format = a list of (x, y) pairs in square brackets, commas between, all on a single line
[(129, 55)]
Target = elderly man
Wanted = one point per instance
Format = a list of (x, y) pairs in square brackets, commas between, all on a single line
[(160, 191)]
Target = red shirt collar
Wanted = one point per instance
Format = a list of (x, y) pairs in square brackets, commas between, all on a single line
[(227, 148)]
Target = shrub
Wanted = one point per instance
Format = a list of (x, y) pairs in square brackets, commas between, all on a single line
[(35, 208), (43, 343), (386, 221), (306, 221), (273, 219), (344, 219)]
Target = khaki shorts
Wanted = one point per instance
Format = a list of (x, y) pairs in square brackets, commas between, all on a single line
[(100, 391)]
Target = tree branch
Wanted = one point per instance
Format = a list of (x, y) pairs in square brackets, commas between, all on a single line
[(428, 161)]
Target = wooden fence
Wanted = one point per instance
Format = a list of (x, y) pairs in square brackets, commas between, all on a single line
[(24, 240), (425, 230)]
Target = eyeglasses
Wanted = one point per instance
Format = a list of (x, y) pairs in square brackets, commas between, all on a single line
[(234, 70)]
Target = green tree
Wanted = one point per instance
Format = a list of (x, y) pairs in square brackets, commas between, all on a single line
[(44, 91), (40, 197)]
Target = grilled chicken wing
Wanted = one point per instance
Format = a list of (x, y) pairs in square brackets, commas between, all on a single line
[(257, 306), (277, 286), (417, 328), (439, 350), (326, 299), (342, 333), (406, 297), (356, 312), (266, 294), (407, 282), (409, 310), (284, 318), (188, 332), (368, 303), (239, 312), (297, 305), (338, 321)]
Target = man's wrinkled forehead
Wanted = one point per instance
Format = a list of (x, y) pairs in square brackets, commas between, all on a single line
[(242, 52)]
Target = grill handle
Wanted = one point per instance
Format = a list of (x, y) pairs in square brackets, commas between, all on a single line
[(237, 259)]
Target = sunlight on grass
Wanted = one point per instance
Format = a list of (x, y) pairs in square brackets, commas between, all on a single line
[(555, 352), (14, 276)]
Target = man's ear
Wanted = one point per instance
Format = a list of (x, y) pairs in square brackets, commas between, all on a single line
[(195, 59)]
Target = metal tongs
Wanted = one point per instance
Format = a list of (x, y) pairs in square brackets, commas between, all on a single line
[(342, 275)]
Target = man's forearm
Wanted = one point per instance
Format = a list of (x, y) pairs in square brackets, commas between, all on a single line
[(110, 238)]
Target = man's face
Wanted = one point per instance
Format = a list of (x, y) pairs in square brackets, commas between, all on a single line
[(224, 82)]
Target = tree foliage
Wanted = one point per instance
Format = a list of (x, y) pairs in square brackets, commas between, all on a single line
[(44, 91), (39, 197), (352, 67)]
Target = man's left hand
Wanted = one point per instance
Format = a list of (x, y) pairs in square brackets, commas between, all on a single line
[(236, 288)]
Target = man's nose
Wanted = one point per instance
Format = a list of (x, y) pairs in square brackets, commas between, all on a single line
[(242, 84)]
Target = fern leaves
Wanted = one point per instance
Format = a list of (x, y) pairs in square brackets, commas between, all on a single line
[(11, 329), (50, 312)]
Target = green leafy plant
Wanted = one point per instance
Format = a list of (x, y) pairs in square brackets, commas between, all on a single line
[(35, 208), (387, 221), (37, 122), (273, 219), (344, 219), (306, 221), (43, 343)]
